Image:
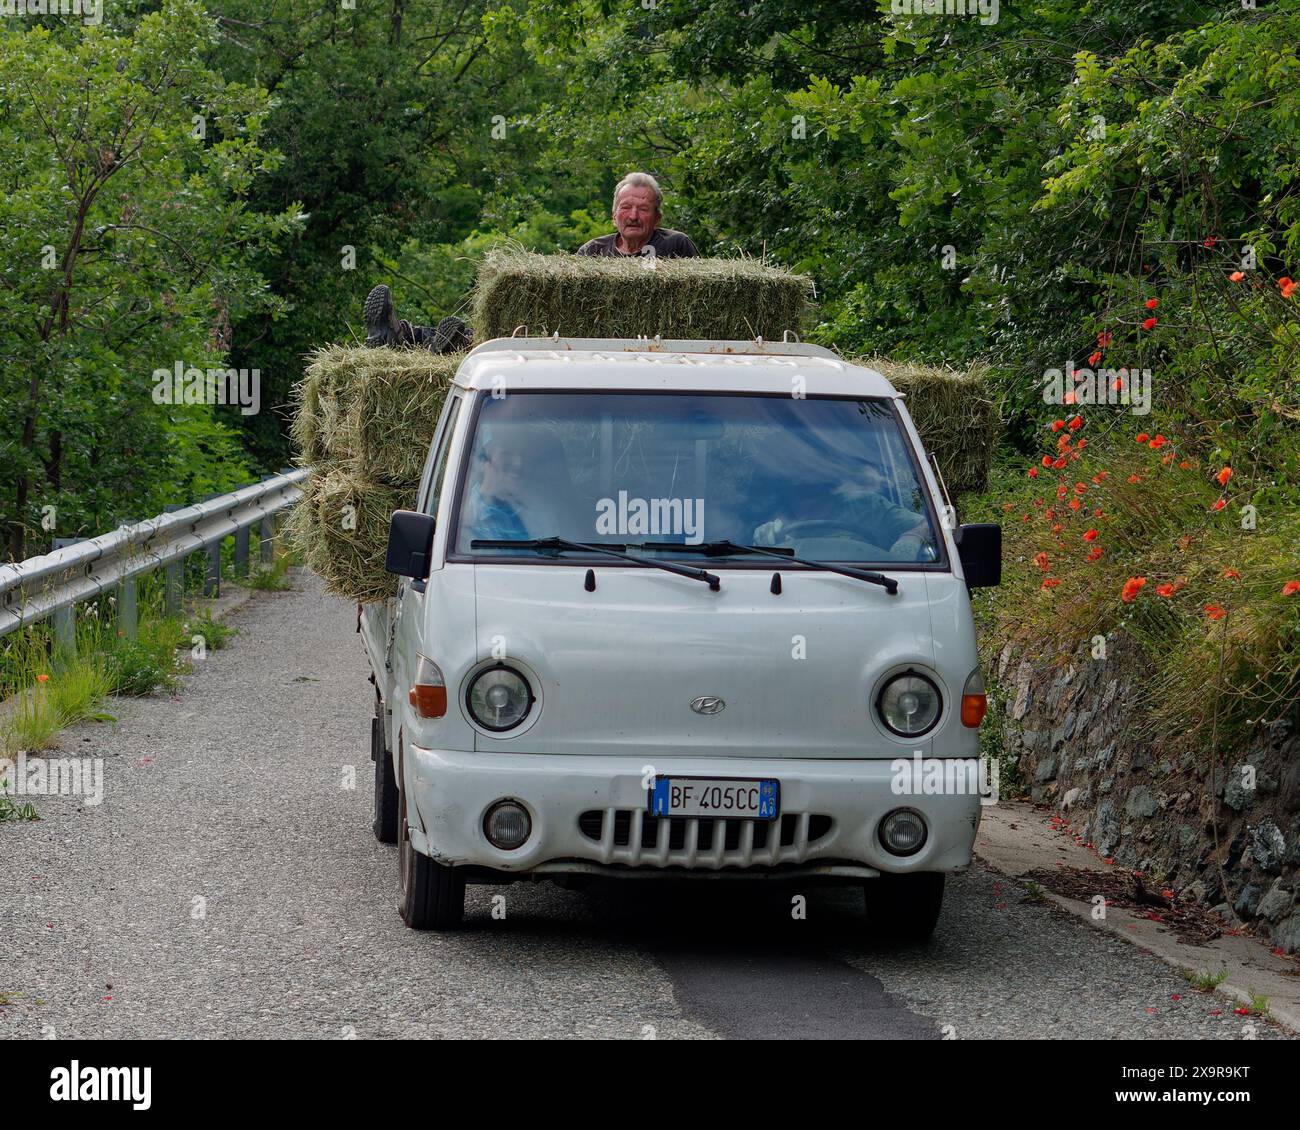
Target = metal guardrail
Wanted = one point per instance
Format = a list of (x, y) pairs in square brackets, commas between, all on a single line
[(53, 584)]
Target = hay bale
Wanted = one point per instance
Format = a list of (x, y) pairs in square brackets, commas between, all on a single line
[(582, 296), (394, 399), (340, 526), (954, 413)]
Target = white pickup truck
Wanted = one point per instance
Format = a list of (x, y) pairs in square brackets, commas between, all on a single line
[(678, 608)]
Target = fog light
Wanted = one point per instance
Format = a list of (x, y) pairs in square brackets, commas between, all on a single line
[(903, 832), (507, 825)]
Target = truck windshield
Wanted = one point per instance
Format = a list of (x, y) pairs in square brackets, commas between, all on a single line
[(830, 479)]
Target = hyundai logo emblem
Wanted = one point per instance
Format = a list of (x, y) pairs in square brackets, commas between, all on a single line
[(708, 704)]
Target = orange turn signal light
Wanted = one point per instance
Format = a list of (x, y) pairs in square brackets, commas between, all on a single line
[(973, 709), (428, 695)]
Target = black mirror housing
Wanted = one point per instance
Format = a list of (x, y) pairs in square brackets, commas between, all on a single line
[(410, 544), (979, 545)]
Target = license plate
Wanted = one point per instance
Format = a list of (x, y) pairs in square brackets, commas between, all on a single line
[(715, 796)]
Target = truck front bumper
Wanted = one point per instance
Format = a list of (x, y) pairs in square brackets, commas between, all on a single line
[(589, 814)]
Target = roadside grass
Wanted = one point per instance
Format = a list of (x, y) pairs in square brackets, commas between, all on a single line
[(1204, 981), (275, 578), (214, 634)]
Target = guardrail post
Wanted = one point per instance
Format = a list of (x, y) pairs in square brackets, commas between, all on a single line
[(267, 532), (173, 587), (64, 619), (241, 552), (127, 620), (212, 578)]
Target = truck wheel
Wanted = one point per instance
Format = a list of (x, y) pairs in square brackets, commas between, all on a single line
[(904, 908), (385, 817), (433, 895)]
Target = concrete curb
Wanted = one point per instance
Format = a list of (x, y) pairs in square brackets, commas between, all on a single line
[(1014, 838)]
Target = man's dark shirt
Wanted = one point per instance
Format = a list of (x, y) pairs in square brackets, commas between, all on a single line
[(667, 244)]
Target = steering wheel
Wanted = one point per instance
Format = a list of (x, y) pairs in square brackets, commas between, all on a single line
[(823, 526)]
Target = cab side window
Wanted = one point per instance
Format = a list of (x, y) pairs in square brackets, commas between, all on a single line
[(440, 458)]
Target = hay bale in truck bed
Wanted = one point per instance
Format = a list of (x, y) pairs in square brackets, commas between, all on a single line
[(954, 413), (582, 296)]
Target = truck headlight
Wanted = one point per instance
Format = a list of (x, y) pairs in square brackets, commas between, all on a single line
[(499, 698), (909, 705)]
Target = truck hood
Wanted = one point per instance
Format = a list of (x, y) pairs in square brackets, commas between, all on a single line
[(618, 668)]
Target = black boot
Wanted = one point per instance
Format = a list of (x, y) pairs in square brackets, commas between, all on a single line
[(450, 335), (383, 326)]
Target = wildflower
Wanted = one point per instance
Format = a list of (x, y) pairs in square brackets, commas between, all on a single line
[(1166, 590), (1070, 397), (1059, 462), (1220, 504), (1057, 425), (1082, 444), (1149, 323), (1184, 466), (1215, 611), (1094, 553), (1057, 528), (1231, 575), (1076, 423), (1050, 583), (1209, 242), (1075, 504), (1033, 472), (1131, 588), (1223, 476), (1290, 588), (1080, 488), (1134, 479), (1040, 559), (1158, 442), (1287, 286), (1151, 303), (1142, 437), (1104, 338), (1093, 358), (1236, 276), (1047, 460), (1091, 535), (42, 678)]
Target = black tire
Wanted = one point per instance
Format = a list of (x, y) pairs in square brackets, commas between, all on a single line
[(904, 909), (385, 806), (433, 895)]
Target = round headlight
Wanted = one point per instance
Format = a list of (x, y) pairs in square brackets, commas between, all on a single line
[(909, 705), (499, 698), (903, 832)]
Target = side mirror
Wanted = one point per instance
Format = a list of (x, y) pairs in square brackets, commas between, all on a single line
[(410, 542), (979, 545)]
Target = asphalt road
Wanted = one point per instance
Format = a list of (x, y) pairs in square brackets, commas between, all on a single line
[(229, 886)]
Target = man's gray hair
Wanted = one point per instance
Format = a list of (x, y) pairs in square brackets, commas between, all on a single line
[(640, 180)]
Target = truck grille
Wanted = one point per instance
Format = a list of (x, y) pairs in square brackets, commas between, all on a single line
[(633, 836)]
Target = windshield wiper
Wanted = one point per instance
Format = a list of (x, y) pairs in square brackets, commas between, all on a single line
[(727, 548), (555, 544)]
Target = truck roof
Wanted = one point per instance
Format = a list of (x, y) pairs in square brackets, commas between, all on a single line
[(522, 363)]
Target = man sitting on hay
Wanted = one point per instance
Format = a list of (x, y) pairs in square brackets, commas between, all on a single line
[(637, 211)]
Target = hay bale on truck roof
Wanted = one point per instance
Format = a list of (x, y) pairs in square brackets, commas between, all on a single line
[(953, 411), (582, 296)]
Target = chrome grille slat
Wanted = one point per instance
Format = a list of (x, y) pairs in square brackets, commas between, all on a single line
[(675, 841)]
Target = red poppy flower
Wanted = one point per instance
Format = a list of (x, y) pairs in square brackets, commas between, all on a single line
[(1057, 528), (1104, 338), (1057, 425), (1158, 442), (1210, 242), (1287, 286), (1290, 588), (1223, 476), (1100, 475), (1050, 583), (1151, 303), (1070, 397), (1091, 535), (1131, 588), (1059, 463), (1047, 460), (1063, 444), (1094, 553), (1117, 384), (1076, 423), (1080, 488), (1134, 479), (1236, 276), (1082, 444), (1166, 590), (1033, 472), (1142, 437), (1184, 466), (1075, 504), (1215, 611), (1093, 358), (1231, 575), (1149, 323), (1220, 504), (1040, 559)]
